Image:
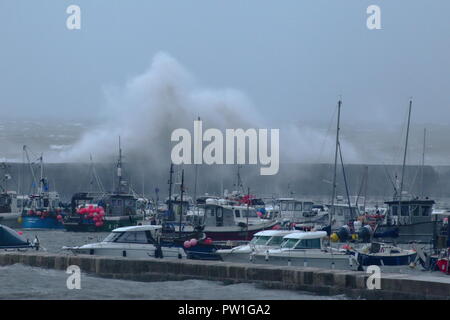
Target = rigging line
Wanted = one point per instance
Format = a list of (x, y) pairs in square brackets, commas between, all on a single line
[(326, 135), (389, 177), (399, 146), (345, 181)]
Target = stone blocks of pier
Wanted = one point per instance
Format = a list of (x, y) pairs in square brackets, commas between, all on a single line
[(321, 281)]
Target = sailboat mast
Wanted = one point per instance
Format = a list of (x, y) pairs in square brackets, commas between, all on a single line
[(170, 188), (423, 161), (406, 151), (119, 169), (333, 194), (181, 200)]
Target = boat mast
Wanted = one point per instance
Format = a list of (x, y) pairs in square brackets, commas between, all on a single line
[(181, 200), (170, 188), (41, 163), (119, 169), (423, 162), (405, 153), (333, 194), (196, 172)]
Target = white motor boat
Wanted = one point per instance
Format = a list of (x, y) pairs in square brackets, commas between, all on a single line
[(263, 240), (133, 242), (306, 249)]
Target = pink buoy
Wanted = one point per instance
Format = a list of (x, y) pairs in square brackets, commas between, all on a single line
[(20, 233), (208, 241), (59, 217), (193, 242), (187, 244)]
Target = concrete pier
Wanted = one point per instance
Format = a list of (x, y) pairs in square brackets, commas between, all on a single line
[(321, 281)]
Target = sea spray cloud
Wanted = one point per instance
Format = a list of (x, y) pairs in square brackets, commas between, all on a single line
[(146, 110)]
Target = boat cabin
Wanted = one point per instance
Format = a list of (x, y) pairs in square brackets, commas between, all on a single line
[(295, 210), (303, 240), (342, 214), (409, 211), (119, 204), (146, 234), (218, 214)]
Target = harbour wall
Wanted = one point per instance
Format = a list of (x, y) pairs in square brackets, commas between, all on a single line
[(320, 281)]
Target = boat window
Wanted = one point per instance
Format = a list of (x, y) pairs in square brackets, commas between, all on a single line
[(219, 212), (394, 210), (262, 240), (298, 206), (112, 236), (307, 206), (275, 241), (132, 237), (210, 211), (405, 211), (289, 243), (308, 244), (119, 203), (251, 213), (426, 211), (237, 213), (415, 211), (340, 212), (287, 206)]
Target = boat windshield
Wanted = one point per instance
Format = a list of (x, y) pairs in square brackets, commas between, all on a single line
[(261, 240), (275, 241), (289, 243), (112, 237)]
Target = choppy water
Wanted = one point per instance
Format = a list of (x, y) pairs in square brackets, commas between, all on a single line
[(24, 282)]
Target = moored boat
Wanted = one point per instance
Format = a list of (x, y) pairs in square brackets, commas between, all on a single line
[(263, 240), (306, 249), (11, 240), (138, 242)]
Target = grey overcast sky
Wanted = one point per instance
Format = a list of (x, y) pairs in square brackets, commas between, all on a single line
[(291, 58)]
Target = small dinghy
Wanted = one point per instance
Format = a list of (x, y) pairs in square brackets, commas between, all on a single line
[(10, 239), (382, 254)]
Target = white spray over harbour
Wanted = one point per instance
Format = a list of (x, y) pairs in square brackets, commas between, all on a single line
[(150, 106)]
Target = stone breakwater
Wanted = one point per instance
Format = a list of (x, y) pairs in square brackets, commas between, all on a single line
[(320, 281)]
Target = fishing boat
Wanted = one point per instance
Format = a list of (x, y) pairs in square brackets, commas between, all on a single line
[(301, 213), (306, 249), (224, 221), (138, 242), (263, 240), (409, 220), (11, 240), (105, 211), (44, 209)]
